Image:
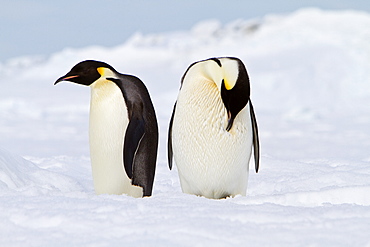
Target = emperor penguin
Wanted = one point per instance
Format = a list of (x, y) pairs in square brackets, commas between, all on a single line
[(213, 128), (123, 130)]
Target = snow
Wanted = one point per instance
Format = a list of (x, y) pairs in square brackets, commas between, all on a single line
[(310, 74)]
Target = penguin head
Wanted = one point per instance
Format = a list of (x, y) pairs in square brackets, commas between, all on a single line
[(231, 78), (89, 71)]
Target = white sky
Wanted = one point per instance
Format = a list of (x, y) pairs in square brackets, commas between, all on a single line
[(40, 27)]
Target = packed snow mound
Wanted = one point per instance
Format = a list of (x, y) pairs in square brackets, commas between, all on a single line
[(22, 176)]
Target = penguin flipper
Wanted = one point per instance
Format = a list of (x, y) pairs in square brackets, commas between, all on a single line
[(256, 145), (169, 142), (134, 134)]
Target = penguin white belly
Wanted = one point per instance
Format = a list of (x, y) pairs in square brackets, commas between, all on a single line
[(211, 161), (108, 123)]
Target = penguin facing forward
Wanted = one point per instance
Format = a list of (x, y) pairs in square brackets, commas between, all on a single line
[(123, 130), (213, 128)]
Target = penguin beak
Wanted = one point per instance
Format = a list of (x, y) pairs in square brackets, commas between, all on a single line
[(227, 100), (230, 121), (64, 78)]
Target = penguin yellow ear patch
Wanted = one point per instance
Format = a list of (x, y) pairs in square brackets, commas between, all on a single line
[(100, 70), (230, 69), (228, 85)]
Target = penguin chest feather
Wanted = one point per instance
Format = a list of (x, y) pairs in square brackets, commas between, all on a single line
[(211, 161), (108, 123)]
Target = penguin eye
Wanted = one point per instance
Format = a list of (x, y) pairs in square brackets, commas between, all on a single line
[(86, 71), (82, 70)]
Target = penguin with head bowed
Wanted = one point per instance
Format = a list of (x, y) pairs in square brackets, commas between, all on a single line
[(123, 130), (213, 128)]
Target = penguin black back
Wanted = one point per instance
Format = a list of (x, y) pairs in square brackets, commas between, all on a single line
[(142, 130)]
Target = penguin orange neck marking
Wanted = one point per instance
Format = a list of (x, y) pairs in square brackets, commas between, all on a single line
[(101, 70), (106, 73)]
